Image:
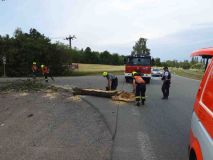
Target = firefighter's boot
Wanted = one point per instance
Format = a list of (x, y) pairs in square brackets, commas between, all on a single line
[(142, 102), (138, 103)]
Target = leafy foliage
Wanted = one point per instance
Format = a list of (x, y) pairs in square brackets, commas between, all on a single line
[(194, 64), (24, 48), (140, 49)]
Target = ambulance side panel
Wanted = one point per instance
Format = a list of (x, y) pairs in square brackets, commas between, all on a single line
[(202, 118)]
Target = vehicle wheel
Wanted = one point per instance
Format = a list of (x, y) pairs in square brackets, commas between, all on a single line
[(192, 155)]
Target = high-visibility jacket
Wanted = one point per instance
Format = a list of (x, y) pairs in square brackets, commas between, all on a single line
[(45, 70), (139, 80)]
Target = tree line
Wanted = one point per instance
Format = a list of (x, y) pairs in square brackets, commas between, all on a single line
[(195, 63), (95, 57), (23, 48)]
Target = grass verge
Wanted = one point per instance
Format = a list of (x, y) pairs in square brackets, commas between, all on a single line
[(96, 69), (99, 68), (79, 73), (193, 74)]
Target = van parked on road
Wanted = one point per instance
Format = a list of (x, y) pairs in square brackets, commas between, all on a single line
[(201, 133)]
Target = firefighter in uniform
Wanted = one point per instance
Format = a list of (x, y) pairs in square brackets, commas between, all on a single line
[(45, 72), (34, 70), (139, 87), (166, 78), (112, 81)]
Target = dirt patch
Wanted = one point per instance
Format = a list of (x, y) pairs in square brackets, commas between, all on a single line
[(23, 86)]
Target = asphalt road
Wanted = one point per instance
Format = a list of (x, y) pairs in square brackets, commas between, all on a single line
[(157, 131), (48, 125)]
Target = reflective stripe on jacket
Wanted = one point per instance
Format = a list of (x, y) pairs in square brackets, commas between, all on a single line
[(139, 80)]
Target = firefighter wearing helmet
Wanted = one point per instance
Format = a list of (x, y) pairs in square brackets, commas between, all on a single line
[(112, 81), (34, 70), (45, 72), (139, 88)]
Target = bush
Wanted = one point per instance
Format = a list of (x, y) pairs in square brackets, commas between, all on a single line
[(24, 48)]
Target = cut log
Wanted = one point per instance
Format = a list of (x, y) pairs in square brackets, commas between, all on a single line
[(115, 95), (94, 92), (124, 96)]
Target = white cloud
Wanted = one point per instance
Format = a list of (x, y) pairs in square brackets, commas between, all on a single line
[(101, 24)]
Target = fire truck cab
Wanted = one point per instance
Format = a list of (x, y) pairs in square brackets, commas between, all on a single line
[(140, 64), (201, 132)]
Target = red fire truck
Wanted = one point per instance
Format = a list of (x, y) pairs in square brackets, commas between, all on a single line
[(140, 64)]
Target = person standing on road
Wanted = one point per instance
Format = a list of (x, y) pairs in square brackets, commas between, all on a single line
[(45, 72), (139, 88), (50, 74), (166, 78), (34, 70), (112, 81)]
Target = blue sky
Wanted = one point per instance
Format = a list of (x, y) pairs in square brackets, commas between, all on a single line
[(174, 28)]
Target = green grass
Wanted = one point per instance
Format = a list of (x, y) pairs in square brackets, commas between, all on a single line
[(96, 69), (189, 73), (99, 67), (78, 73)]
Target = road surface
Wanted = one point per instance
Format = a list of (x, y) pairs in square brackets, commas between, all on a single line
[(49, 125), (157, 131)]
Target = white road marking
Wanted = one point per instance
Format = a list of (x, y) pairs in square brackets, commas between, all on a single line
[(145, 146)]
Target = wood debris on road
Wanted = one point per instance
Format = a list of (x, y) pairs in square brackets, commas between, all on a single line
[(115, 95), (94, 92)]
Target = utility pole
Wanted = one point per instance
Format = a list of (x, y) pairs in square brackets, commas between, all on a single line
[(70, 38)]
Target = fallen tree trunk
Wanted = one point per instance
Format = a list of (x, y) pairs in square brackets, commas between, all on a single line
[(94, 92), (115, 95)]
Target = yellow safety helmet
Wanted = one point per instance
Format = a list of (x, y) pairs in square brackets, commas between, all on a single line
[(34, 62), (133, 73), (42, 66), (104, 74)]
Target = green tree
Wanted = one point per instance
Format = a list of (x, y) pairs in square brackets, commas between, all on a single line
[(157, 62), (115, 59), (24, 48), (185, 64), (140, 48), (90, 57), (105, 58)]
